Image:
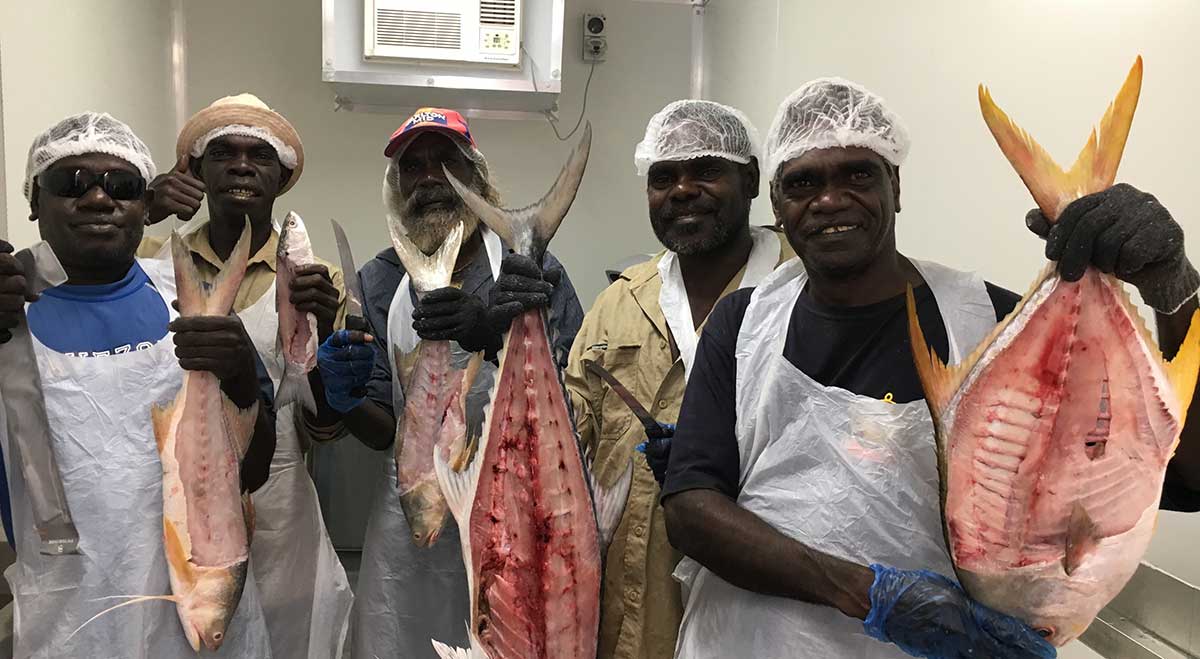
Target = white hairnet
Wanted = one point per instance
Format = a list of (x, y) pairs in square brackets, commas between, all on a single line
[(833, 112), (694, 129), (287, 155), (89, 132)]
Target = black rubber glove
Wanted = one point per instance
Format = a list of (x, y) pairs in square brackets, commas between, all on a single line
[(658, 452), (522, 286), (1125, 232), (449, 314)]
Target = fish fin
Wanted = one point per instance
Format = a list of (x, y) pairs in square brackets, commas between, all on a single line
[(446, 652), (465, 455), (133, 599), (189, 287), (294, 387), (229, 280), (1184, 369), (177, 555), (1094, 170), (240, 423), (939, 381), (529, 230), (161, 418), (1082, 538), (457, 486), (432, 271), (1097, 164), (610, 504)]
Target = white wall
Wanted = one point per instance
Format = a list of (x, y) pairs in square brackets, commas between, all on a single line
[(1054, 65), (58, 61), (273, 50)]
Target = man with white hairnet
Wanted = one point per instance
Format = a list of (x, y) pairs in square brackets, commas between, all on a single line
[(408, 594), (240, 156), (109, 345), (701, 167), (803, 483)]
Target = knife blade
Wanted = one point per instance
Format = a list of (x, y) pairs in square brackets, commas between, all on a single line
[(27, 425), (355, 319), (654, 429)]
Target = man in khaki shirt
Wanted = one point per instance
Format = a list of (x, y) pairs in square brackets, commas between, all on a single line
[(702, 173)]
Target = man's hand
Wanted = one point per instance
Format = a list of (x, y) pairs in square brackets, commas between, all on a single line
[(449, 314), (346, 360), (928, 615), (1125, 232), (219, 345), (658, 452), (522, 286), (176, 192), (14, 292), (313, 292)]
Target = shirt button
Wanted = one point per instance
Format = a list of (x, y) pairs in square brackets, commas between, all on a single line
[(662, 344), (662, 404), (633, 596), (639, 530)]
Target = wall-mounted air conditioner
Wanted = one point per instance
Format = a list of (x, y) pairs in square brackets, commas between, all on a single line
[(494, 58), (467, 31)]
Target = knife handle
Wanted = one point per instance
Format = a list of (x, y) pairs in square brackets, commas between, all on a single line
[(358, 324)]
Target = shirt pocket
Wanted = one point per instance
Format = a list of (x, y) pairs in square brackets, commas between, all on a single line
[(622, 361)]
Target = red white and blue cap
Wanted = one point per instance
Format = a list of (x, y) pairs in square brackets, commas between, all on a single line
[(440, 120)]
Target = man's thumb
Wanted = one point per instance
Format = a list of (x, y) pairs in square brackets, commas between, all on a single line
[(1037, 223), (182, 167)]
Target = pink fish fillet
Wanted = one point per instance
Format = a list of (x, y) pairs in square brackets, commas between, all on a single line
[(530, 531), (434, 397), (297, 329), (1055, 434)]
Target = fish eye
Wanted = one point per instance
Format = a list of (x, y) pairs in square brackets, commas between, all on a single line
[(1045, 632)]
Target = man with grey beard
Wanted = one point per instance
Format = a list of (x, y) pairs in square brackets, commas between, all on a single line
[(407, 594)]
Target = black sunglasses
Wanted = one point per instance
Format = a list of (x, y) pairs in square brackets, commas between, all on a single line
[(118, 184)]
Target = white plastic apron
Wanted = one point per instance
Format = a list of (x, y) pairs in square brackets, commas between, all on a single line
[(847, 475), (673, 297), (407, 594), (99, 412), (306, 596)]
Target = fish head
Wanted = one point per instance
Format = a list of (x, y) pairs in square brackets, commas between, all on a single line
[(206, 611), (426, 510)]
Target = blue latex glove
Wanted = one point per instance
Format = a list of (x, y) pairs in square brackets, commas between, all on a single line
[(345, 370), (928, 615), (658, 452)]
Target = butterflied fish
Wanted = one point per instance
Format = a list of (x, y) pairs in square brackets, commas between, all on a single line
[(434, 397), (1054, 435), (297, 329), (530, 533)]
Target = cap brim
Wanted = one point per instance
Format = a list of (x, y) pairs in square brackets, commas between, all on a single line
[(213, 117), (399, 143)]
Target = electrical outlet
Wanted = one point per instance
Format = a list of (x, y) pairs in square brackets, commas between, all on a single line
[(595, 38)]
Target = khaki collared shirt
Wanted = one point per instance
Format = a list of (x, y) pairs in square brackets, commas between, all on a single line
[(260, 274), (626, 333)]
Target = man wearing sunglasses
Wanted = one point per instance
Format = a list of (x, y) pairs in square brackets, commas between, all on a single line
[(108, 346), (240, 155)]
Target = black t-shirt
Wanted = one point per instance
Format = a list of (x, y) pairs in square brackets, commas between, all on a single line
[(864, 350)]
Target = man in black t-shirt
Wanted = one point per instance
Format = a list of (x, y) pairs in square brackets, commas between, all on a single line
[(785, 522)]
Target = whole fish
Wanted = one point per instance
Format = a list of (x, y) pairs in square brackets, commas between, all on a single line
[(434, 397), (202, 437), (297, 329), (1054, 435), (530, 535)]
